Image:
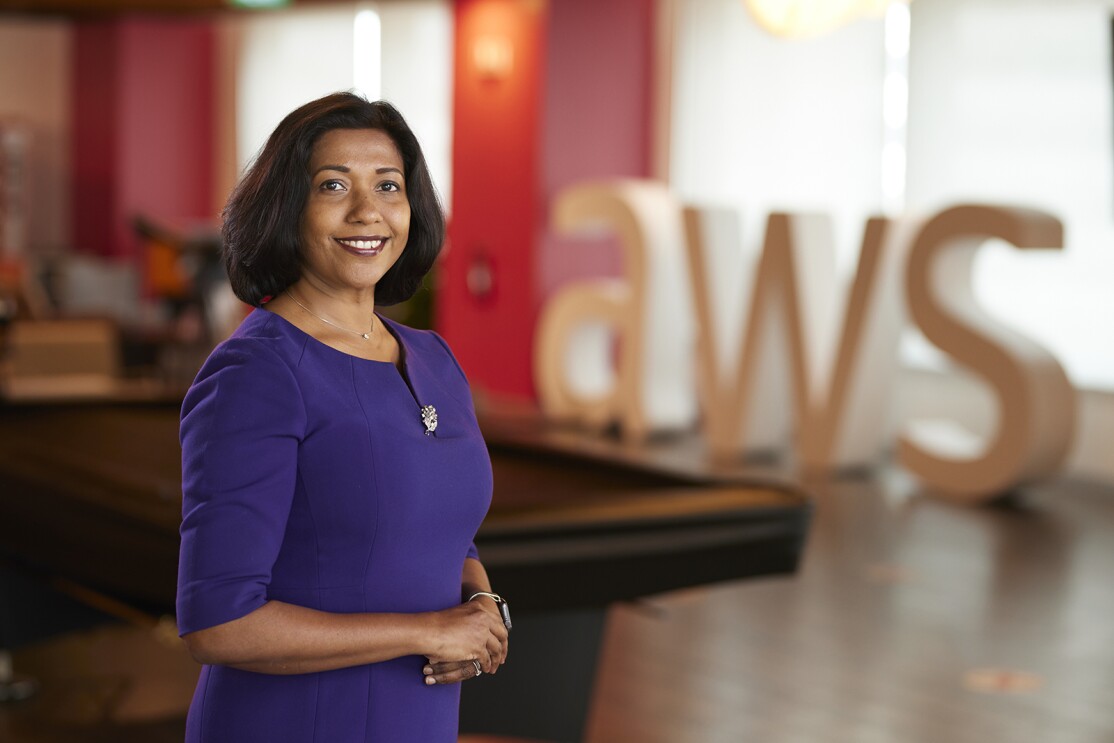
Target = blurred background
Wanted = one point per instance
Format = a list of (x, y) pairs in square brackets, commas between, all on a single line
[(125, 123)]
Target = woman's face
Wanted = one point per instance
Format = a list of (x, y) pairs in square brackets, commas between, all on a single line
[(357, 216)]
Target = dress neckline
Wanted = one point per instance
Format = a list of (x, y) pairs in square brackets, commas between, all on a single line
[(389, 325), (402, 368)]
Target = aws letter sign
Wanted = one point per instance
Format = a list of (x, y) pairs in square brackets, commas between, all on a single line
[(805, 372)]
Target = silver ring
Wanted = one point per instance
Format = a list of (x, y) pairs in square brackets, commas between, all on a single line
[(479, 671)]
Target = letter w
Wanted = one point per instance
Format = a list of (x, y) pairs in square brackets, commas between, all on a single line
[(840, 393)]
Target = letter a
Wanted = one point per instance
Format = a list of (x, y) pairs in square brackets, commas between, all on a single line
[(647, 313)]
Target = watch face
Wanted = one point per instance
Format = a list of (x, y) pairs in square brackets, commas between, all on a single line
[(504, 608)]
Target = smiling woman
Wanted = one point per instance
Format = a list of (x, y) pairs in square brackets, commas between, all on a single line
[(267, 212), (333, 473), (356, 218)]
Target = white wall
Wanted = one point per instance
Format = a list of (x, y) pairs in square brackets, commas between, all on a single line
[(761, 123), (417, 70), (1010, 102), (35, 90), (288, 57)]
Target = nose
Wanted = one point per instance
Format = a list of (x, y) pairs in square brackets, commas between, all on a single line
[(365, 208)]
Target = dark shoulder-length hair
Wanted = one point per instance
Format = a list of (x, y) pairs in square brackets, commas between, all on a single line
[(260, 231)]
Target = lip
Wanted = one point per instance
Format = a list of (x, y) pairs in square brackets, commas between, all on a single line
[(362, 245)]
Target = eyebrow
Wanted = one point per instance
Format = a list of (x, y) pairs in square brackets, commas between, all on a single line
[(346, 169)]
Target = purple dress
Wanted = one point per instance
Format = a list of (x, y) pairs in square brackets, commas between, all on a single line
[(308, 478)]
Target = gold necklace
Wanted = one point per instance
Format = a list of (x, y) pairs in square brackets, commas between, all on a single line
[(366, 336)]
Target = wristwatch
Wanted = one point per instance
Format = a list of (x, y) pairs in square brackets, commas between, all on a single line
[(504, 607)]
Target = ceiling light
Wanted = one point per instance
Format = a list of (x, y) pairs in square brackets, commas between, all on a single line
[(258, 4), (804, 18)]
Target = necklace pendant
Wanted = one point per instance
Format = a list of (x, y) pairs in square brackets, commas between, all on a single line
[(429, 419), (365, 336)]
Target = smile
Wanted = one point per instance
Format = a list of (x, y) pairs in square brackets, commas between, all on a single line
[(362, 245)]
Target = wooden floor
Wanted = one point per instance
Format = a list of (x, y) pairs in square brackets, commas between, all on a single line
[(912, 621)]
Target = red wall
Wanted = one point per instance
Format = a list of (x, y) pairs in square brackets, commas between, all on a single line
[(94, 197), (497, 203), (142, 128), (166, 122), (575, 106), (597, 119)]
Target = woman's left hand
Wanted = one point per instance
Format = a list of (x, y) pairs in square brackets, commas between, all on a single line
[(455, 671), (450, 672)]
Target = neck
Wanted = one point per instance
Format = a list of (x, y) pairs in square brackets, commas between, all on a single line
[(351, 315), (343, 304)]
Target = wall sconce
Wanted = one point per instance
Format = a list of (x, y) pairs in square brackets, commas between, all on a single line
[(798, 19), (493, 57)]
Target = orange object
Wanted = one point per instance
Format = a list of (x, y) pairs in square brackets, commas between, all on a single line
[(165, 277)]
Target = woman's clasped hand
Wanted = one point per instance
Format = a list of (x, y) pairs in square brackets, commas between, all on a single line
[(467, 634)]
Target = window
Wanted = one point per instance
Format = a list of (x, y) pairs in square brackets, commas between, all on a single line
[(401, 52)]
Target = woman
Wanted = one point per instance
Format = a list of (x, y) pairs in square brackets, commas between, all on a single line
[(333, 472)]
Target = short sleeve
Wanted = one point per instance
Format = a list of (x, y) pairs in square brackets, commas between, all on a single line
[(242, 421)]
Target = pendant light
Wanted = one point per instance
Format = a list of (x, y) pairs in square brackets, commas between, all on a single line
[(798, 19)]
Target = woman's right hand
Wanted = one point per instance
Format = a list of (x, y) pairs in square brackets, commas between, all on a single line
[(467, 632)]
